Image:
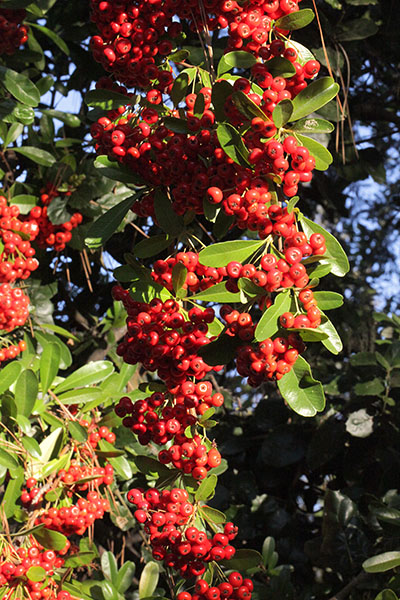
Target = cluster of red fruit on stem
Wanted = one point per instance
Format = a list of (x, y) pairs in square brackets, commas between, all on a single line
[(12, 32), (235, 588), (167, 517), (17, 573)]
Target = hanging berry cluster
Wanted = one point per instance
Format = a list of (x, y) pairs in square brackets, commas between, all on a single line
[(13, 33), (216, 143)]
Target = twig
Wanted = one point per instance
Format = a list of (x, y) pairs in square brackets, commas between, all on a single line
[(352, 584)]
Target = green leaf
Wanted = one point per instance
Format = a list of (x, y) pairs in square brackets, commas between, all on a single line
[(104, 227), (125, 576), (65, 117), (386, 595), (335, 255), (51, 467), (120, 464), (26, 390), (13, 133), (219, 255), (109, 566), (180, 88), (37, 155), (206, 488), (313, 97), (57, 211), (167, 218), (301, 391), (7, 460), (82, 396), (13, 112), (282, 113), (357, 29), (268, 549), (51, 540), (382, 562), (232, 143), (199, 106), (78, 433), (296, 20), (311, 125), (309, 334), (281, 67), (176, 125), (49, 365), (9, 374), (268, 324), (328, 300), (106, 99), (148, 580), (19, 86), (244, 560), (150, 466), (52, 36), (238, 59), (221, 351), (323, 158), (179, 273), (31, 446), (250, 289), (60, 331), (217, 293), (374, 387), (13, 493), (247, 107), (221, 90), (152, 246), (333, 343), (212, 515), (51, 444), (25, 202), (91, 373), (80, 560), (36, 574), (179, 56)]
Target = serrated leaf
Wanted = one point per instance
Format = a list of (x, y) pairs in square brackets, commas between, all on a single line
[(313, 97), (301, 391), (19, 86), (219, 255), (268, 324)]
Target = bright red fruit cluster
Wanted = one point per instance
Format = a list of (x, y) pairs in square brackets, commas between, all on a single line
[(235, 588), (167, 516), (12, 33), (17, 572)]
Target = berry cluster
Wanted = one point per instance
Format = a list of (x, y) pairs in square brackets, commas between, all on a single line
[(198, 277), (12, 33), (14, 307), (161, 340), (235, 588), (9, 349), (15, 565), (166, 516), (49, 234)]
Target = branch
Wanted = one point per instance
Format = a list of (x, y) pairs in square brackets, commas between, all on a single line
[(352, 584)]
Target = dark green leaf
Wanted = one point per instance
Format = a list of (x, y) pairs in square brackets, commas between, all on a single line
[(335, 254), (9, 374), (249, 288), (382, 562), (106, 99), (221, 90), (281, 67), (313, 97), (179, 272), (219, 255), (221, 351), (176, 125), (268, 324), (166, 217), (102, 229), (60, 331), (37, 155), (357, 29), (212, 514), (150, 466), (179, 56), (52, 36), (199, 106), (247, 107), (115, 171), (333, 343), (180, 88), (49, 365), (26, 390), (301, 391), (244, 560), (51, 540), (374, 387), (57, 211), (19, 86), (65, 117), (295, 20), (13, 493), (232, 143), (238, 59)]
